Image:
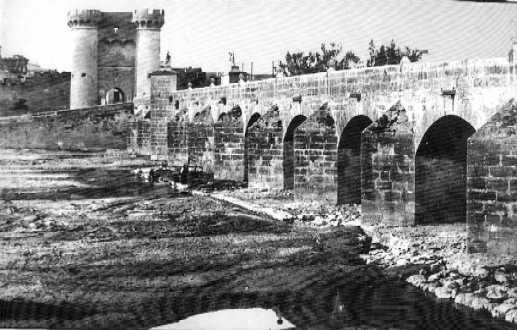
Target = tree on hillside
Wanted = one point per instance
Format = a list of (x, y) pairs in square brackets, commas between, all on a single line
[(320, 61), (391, 54)]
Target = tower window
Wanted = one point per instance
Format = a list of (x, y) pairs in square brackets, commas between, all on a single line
[(83, 74)]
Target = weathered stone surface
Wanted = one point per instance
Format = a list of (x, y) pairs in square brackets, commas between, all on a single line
[(491, 198), (503, 308), (496, 292)]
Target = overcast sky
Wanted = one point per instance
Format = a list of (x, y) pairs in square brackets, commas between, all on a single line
[(201, 32)]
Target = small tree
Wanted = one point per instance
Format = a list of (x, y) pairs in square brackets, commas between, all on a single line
[(391, 54), (320, 61)]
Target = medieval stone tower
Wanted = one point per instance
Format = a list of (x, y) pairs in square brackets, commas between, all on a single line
[(113, 55)]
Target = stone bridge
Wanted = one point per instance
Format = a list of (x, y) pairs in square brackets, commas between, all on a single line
[(392, 138)]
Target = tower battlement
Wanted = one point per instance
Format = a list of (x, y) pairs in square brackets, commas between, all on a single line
[(84, 18), (149, 18)]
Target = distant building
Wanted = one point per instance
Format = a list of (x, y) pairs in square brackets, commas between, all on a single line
[(196, 77), (236, 75), (113, 54)]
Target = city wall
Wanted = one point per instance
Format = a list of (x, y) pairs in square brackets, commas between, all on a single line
[(99, 128)]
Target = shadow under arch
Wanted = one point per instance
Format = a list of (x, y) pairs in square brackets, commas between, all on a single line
[(115, 95), (440, 171), (253, 119), (288, 162), (349, 161)]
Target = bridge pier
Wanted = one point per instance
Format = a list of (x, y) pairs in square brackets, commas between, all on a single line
[(229, 148), (492, 185), (264, 151), (315, 150), (201, 141), (177, 142), (388, 170)]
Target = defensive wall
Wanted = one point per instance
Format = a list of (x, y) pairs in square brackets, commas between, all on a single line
[(392, 138), (40, 92), (98, 128)]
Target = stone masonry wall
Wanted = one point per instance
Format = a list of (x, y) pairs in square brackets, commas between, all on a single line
[(492, 185), (265, 152), (143, 139), (91, 128), (177, 143), (229, 149), (161, 112), (315, 151), (388, 170), (201, 141)]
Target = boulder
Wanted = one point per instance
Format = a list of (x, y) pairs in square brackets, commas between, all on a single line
[(500, 276), (347, 239), (496, 292), (501, 309), (443, 292), (479, 302), (30, 218), (464, 298), (512, 292), (416, 280), (511, 315), (481, 272), (434, 277)]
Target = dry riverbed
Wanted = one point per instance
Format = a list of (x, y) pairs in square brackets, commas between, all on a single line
[(156, 257), (84, 243), (432, 258)]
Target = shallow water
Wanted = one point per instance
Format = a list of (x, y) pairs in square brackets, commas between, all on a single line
[(377, 304)]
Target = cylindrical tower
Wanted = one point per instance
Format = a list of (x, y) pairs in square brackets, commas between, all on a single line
[(83, 87), (148, 23)]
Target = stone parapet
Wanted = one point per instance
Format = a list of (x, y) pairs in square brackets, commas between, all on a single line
[(84, 18), (149, 18)]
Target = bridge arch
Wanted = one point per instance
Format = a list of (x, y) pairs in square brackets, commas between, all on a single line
[(288, 151), (252, 120), (349, 161), (440, 171)]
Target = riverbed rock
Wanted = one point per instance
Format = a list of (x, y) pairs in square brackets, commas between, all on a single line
[(444, 292), (416, 280), (511, 315), (496, 292), (479, 302), (501, 309), (512, 292), (464, 298), (434, 277), (429, 287), (500, 276), (481, 272), (30, 218), (348, 239)]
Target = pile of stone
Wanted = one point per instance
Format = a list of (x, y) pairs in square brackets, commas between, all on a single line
[(329, 216), (435, 258), (494, 290)]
